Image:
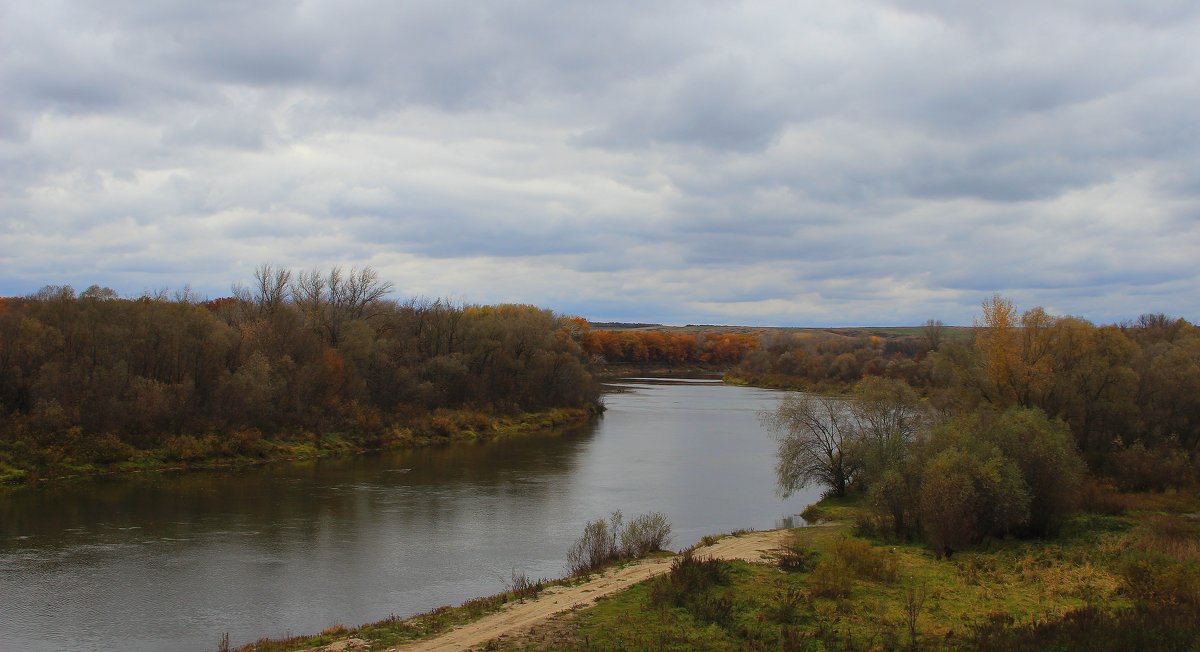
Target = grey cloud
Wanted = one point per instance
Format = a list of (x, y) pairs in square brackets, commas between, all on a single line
[(718, 106), (706, 162)]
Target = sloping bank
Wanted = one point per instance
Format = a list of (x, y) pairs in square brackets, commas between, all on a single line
[(508, 616), (1122, 575)]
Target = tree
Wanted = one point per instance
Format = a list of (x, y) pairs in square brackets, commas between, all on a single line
[(886, 414), (934, 332), (831, 441), (964, 498), (997, 340), (332, 300), (270, 290), (1045, 454), (815, 435)]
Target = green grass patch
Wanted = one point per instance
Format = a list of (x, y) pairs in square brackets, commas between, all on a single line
[(847, 592), (755, 606)]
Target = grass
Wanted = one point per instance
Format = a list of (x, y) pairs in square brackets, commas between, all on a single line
[(1108, 580)]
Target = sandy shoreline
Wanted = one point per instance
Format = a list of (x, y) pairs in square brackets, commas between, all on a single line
[(518, 617)]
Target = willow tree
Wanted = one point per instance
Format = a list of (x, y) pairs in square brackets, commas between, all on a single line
[(815, 435), (831, 441)]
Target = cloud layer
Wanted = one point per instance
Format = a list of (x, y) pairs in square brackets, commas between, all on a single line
[(755, 163)]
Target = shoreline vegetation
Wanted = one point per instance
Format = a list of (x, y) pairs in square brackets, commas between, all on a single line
[(1122, 574), (210, 452), (606, 548)]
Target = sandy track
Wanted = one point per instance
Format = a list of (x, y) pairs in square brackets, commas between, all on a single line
[(517, 617)]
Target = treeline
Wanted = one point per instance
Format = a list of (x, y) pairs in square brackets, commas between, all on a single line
[(823, 361), (1123, 390), (667, 350), (1008, 427), (93, 378)]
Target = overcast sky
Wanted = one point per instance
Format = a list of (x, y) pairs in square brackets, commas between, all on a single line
[(792, 163)]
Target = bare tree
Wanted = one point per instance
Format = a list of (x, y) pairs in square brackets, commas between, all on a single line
[(829, 440), (914, 603), (934, 333), (886, 415), (271, 287), (266, 297), (815, 434), (332, 300)]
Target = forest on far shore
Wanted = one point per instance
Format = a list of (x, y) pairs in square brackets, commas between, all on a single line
[(91, 380)]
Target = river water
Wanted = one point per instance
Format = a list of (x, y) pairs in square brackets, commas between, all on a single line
[(171, 561)]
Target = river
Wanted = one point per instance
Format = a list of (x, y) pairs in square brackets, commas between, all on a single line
[(171, 561)]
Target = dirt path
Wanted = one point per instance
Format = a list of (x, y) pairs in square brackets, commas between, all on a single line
[(517, 617)]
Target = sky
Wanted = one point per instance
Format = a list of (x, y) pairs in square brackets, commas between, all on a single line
[(759, 163)]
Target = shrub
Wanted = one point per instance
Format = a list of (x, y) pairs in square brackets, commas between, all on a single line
[(893, 504), (1097, 498), (645, 534), (248, 442), (787, 609), (964, 499), (793, 556), (596, 546), (186, 448), (1138, 468), (914, 603), (522, 587), (689, 585), (107, 449), (710, 608), (607, 541), (1096, 629), (1044, 452), (865, 561), (831, 578), (1156, 578), (814, 514)]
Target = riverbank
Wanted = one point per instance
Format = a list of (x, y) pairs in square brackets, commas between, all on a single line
[(1123, 575), (245, 448), (790, 383), (510, 616)]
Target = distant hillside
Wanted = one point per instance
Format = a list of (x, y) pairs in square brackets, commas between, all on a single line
[(623, 326)]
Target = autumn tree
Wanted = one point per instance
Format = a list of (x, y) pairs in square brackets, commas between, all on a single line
[(965, 497), (998, 343)]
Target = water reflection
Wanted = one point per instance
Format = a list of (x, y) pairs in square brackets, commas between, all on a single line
[(171, 561)]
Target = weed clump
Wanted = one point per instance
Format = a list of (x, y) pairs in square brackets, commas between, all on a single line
[(645, 534), (688, 585), (793, 556), (521, 587), (604, 541)]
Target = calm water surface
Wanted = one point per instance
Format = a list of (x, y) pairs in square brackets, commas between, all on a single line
[(172, 561)]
